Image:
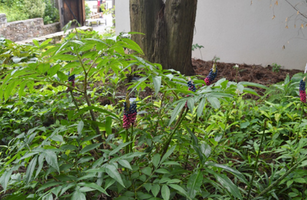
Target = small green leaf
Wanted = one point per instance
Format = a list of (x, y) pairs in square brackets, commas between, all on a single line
[(109, 125), (155, 189), (165, 192), (94, 186), (53, 70), (121, 146), (89, 148), (156, 160), (157, 83), (125, 164), (80, 127), (299, 180), (62, 76), (147, 171)]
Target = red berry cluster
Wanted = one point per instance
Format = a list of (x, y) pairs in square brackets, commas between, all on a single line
[(303, 91), (129, 115)]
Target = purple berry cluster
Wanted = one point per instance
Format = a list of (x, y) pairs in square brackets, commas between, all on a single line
[(212, 75), (129, 115), (303, 91), (191, 86), (71, 81)]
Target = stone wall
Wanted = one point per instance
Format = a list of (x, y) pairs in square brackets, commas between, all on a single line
[(2, 20), (22, 30)]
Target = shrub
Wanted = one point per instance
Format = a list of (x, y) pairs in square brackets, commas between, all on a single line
[(35, 8), (87, 11), (13, 13), (51, 13)]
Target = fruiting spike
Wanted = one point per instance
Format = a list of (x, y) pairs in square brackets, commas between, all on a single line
[(303, 90)]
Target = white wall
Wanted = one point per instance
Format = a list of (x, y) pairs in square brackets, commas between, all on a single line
[(122, 16), (236, 31)]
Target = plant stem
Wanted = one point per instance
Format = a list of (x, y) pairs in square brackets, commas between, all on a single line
[(180, 118), (193, 131), (257, 158), (131, 138), (280, 178), (159, 113), (127, 138)]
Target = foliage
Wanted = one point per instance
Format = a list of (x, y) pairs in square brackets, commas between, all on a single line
[(87, 11), (13, 10), (197, 46), (61, 141), (275, 67), (35, 8), (51, 13)]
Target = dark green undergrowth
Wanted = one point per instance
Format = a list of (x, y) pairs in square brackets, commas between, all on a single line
[(65, 140)]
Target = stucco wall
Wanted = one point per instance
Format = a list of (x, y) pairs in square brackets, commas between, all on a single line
[(22, 30), (241, 32)]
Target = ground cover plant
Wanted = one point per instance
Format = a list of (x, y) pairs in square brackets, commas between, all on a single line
[(85, 120)]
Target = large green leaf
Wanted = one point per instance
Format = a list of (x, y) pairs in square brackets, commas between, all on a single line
[(155, 189), (229, 169), (156, 160), (165, 192), (194, 183), (30, 170), (214, 102), (229, 185), (51, 159), (157, 83), (180, 190), (112, 171), (176, 111), (78, 195)]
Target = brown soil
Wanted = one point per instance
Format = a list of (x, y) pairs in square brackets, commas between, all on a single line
[(250, 73)]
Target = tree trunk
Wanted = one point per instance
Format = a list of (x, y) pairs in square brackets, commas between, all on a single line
[(168, 29)]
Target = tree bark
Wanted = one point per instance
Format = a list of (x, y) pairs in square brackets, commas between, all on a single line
[(168, 29)]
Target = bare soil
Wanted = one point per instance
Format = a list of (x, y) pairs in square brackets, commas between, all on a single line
[(250, 73)]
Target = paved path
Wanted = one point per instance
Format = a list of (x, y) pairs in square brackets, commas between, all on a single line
[(103, 27)]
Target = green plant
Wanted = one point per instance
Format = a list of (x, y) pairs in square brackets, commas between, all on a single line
[(275, 67), (34, 8), (87, 11), (197, 46), (65, 131), (51, 13)]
